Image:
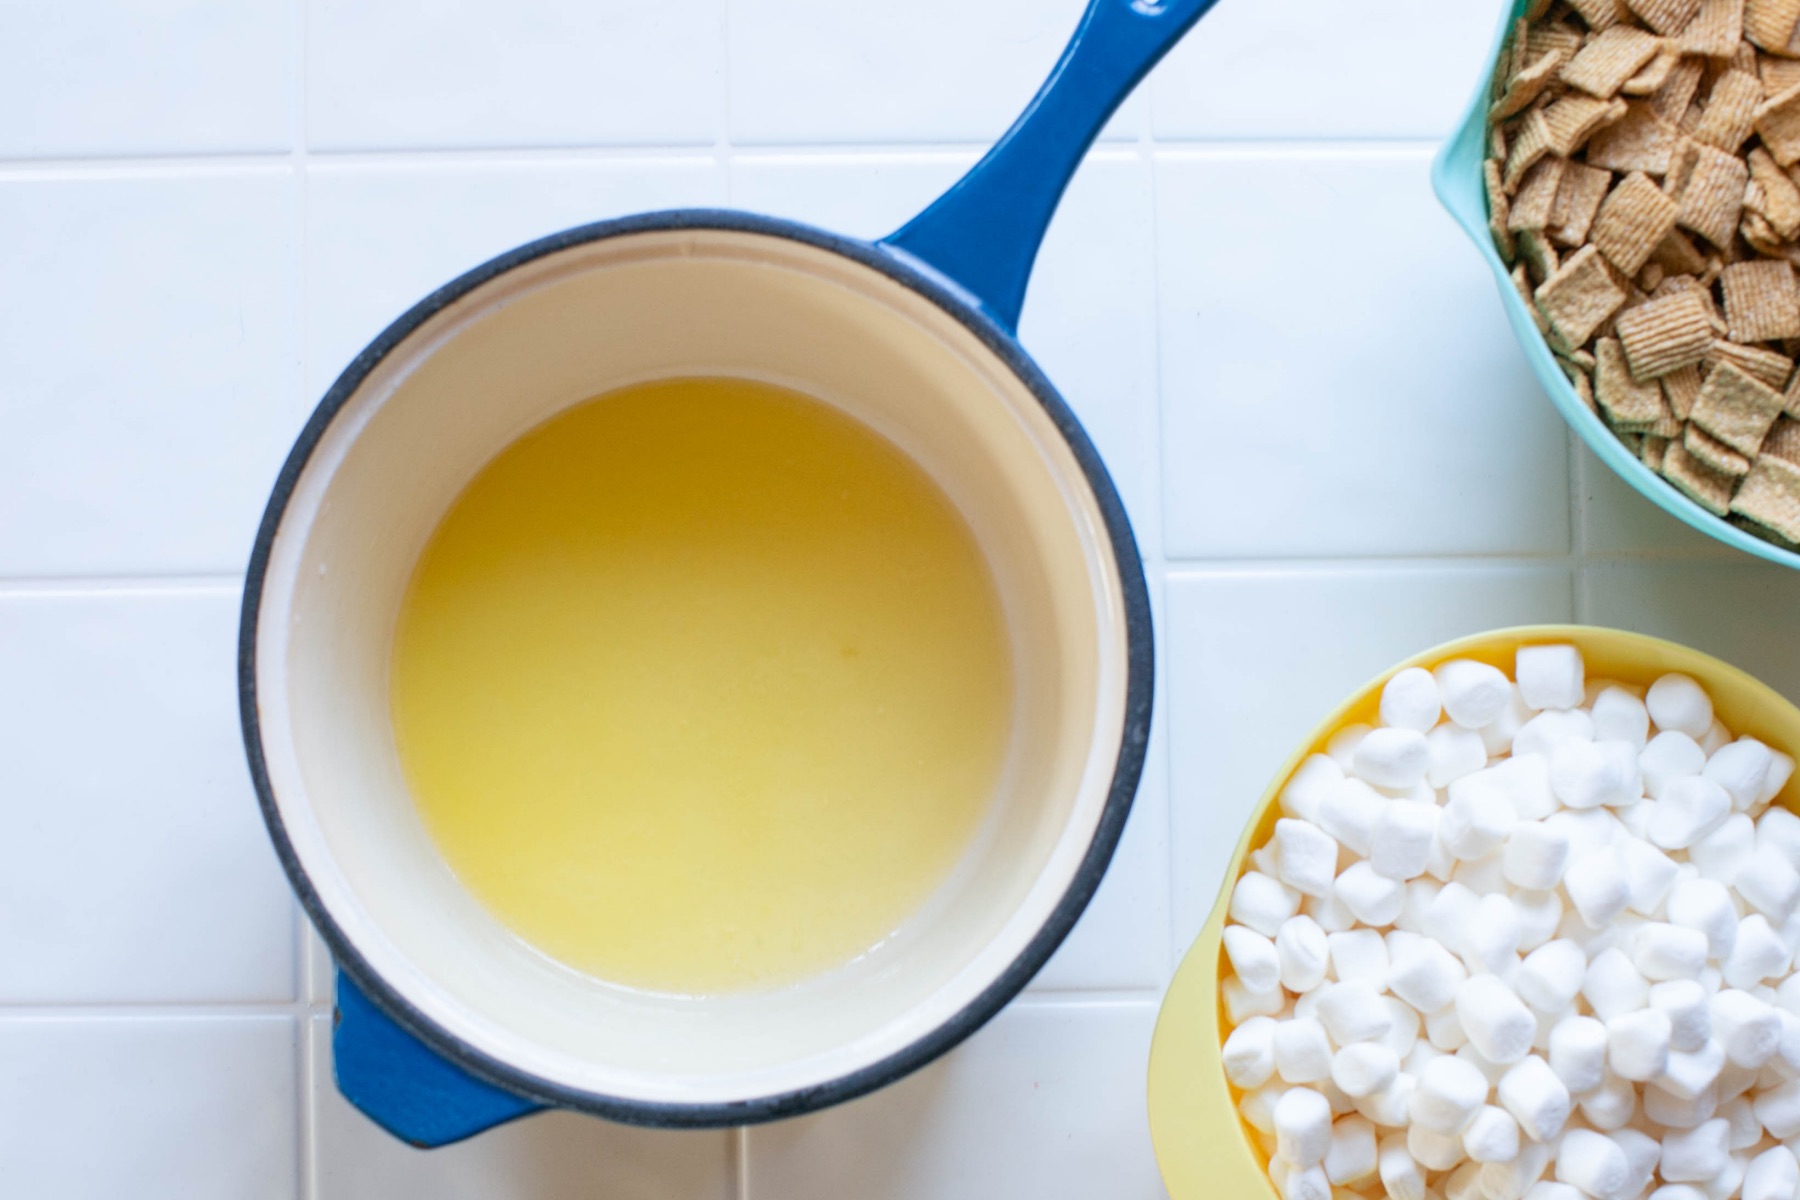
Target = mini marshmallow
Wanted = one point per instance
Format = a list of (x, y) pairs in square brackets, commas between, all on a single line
[(1493, 1136), (1578, 1053), (1661, 951), (1740, 768), (1758, 953), (1545, 732), (1359, 954), (1772, 1175), (1677, 702), (1266, 859), (1678, 1191), (1301, 1051), (1536, 1097), (1592, 1162), (1391, 758), (1746, 1130), (1310, 1183), (1637, 1044), (1451, 913), (1450, 1092), (1583, 775), (1242, 1003), (1364, 1068), (1353, 1012), (1493, 940), (1550, 977), (1404, 1027), (1539, 915), (1649, 873), (1410, 700), (1426, 976), (1781, 769), (1349, 813), (1694, 1155), (1374, 898), (1484, 875), (1726, 851), (1687, 811), (1306, 856), (1778, 1109), (1419, 896), (1730, 1178), (1478, 816), (1303, 1126), (1691, 1072), (1464, 1183), (1705, 905), (1550, 676), (1491, 1070), (1253, 957), (1589, 831), (1500, 733), (1499, 1025), (1399, 1171), (1455, 752), (1684, 1002), (1403, 838), (1610, 1105), (1716, 739), (1597, 886), (1748, 1029), (1679, 1112), (1329, 912), (1432, 1150), (1669, 756), (1613, 986), (1262, 903), (1642, 1153), (1307, 786), (1513, 1180), (1635, 819), (1780, 828), (1388, 1106), (1526, 782), (1300, 945), (1473, 694), (1353, 1155), (1770, 884), (1620, 716), (1249, 1053), (1535, 856), (1418, 1058)]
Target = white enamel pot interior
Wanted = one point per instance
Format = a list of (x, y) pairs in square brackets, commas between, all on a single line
[(507, 347)]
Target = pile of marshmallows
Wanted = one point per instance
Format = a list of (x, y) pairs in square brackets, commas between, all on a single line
[(1524, 940)]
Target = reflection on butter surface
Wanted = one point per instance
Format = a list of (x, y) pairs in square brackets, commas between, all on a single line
[(702, 686)]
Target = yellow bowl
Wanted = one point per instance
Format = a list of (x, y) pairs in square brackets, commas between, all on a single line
[(1202, 1145)]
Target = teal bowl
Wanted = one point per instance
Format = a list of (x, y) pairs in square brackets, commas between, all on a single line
[(1456, 176)]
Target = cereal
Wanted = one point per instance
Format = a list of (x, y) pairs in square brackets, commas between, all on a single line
[(1736, 409), (1649, 80), (1765, 366), (1499, 211), (1713, 453), (1638, 141), (1762, 301), (1580, 297), (1778, 122), (1536, 201), (1569, 122), (1632, 222), (1666, 335), (1730, 111), (1529, 84), (1671, 100), (1667, 17), (1717, 31), (1708, 488), (1609, 59), (1600, 14), (1632, 406), (1780, 204), (1578, 202), (1681, 387), (1770, 23), (1783, 441), (1770, 496), (1711, 186)]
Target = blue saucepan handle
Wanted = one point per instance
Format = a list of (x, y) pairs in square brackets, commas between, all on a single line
[(983, 234)]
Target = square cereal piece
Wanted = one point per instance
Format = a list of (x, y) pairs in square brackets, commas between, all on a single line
[(1649, 81), (1666, 334), (1710, 186), (1770, 23), (1770, 496), (1677, 256), (1783, 441), (1762, 301), (1708, 488), (1609, 59), (1717, 31), (1736, 409), (1571, 121), (1778, 74), (1667, 17), (1778, 121), (1583, 188), (1522, 280), (1653, 450), (1533, 206), (1632, 222), (1540, 39), (1529, 146), (1677, 93), (1580, 297), (1539, 255), (1714, 453), (1630, 406), (1638, 141), (1765, 366), (1780, 195), (1600, 15), (1528, 85), (1730, 111), (1680, 388), (1499, 209)]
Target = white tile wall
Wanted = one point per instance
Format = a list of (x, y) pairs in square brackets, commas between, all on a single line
[(1294, 368)]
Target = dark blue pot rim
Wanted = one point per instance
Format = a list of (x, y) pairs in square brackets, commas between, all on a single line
[(1140, 685)]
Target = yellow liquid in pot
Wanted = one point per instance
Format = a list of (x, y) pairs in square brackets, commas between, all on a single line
[(701, 686)]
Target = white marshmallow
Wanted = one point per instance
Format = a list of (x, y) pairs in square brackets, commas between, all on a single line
[(1306, 856), (1493, 940), (1433, 1150), (1539, 915), (1309, 1183), (1679, 1112), (1694, 1155), (1252, 957), (1746, 1130), (1352, 1156), (1684, 1002), (1341, 746), (1770, 884), (1450, 1092), (1705, 905), (1594, 1163), (1550, 977), (1307, 786), (1613, 986), (1493, 1136), (1249, 1053), (1545, 732), (1410, 700), (1624, 757), (1781, 769), (1300, 945), (1649, 873), (1500, 734), (1740, 768), (1549, 1189), (1484, 876), (1678, 1191), (1455, 752), (1578, 1053), (1535, 856), (1443, 1029), (1513, 1180), (1550, 676), (1478, 816), (1374, 898), (1392, 758), (1450, 915), (1329, 912), (1266, 859), (1242, 1003), (1388, 1106), (1418, 1058), (1610, 1105), (1474, 694), (1637, 1044), (1419, 895), (1677, 702), (1772, 1175), (1364, 1068), (1748, 1029), (1464, 1183), (1687, 811), (1536, 1097), (1262, 903), (1778, 1109), (1426, 976), (1589, 830), (1526, 782), (1403, 839), (1726, 851), (1597, 886), (1669, 756), (1758, 953), (1492, 1070), (1400, 1174), (1716, 739), (1691, 1072), (1661, 951), (1642, 1153), (1620, 715), (1301, 1051), (1303, 1126), (1403, 1032), (1635, 819), (1349, 812), (1780, 828), (1359, 954), (1583, 775), (1352, 1011), (1499, 1025), (1258, 1106), (1725, 1184)]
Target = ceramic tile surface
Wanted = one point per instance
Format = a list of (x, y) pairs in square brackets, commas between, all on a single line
[(1295, 369)]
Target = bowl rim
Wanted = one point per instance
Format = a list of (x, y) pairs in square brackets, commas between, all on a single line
[(1134, 734), (1460, 189)]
